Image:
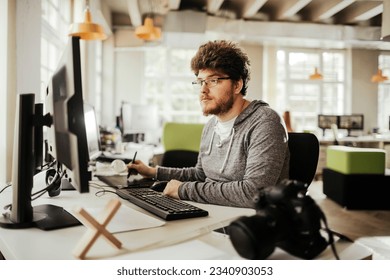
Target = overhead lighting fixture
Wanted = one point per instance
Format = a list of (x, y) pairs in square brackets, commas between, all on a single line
[(379, 77), (87, 30), (148, 31), (316, 75)]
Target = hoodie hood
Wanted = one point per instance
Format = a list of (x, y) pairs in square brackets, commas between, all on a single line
[(249, 111)]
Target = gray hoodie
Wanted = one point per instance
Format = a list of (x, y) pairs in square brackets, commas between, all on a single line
[(255, 155)]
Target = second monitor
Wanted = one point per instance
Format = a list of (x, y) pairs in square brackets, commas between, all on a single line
[(348, 122)]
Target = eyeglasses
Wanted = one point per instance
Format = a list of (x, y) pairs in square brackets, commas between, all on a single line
[(208, 82)]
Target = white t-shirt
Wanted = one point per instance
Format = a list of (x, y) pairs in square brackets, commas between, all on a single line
[(223, 129)]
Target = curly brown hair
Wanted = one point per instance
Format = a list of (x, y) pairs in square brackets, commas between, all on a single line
[(225, 57)]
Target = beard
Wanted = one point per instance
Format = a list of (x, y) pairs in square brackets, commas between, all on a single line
[(218, 106)]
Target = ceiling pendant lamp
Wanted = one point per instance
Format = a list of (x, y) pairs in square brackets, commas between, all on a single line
[(379, 77), (87, 30), (148, 31), (316, 75)]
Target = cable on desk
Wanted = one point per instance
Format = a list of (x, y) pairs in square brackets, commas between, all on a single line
[(58, 176), (102, 191), (9, 184), (44, 167)]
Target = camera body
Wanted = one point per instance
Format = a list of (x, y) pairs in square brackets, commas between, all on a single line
[(286, 218)]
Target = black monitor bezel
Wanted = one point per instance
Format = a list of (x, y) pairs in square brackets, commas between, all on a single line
[(69, 109), (359, 127), (327, 117)]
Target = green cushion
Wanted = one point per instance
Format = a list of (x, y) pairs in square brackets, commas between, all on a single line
[(182, 136), (351, 160)]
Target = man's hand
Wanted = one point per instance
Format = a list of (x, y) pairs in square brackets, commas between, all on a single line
[(143, 169), (172, 189)]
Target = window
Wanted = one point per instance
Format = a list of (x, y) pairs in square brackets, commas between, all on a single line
[(305, 98), (384, 95), (56, 18), (167, 83)]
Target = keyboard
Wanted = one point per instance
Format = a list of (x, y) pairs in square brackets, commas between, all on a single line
[(161, 205)]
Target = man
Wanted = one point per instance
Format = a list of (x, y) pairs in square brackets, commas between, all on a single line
[(243, 147)]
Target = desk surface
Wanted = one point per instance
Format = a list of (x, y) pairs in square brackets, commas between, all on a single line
[(33, 243), (367, 138), (369, 228)]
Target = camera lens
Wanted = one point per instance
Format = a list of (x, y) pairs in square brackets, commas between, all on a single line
[(252, 237)]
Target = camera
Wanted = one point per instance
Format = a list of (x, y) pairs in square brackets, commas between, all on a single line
[(286, 217)]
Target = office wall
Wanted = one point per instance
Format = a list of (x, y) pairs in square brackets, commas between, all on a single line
[(129, 73), (19, 69), (28, 56), (3, 88), (364, 93), (7, 85), (255, 86)]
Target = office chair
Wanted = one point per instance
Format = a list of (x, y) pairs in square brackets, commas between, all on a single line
[(181, 143), (304, 152)]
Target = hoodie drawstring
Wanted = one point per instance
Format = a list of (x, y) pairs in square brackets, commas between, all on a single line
[(228, 151), (211, 143)]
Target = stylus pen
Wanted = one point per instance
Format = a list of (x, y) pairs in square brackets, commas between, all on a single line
[(129, 173), (134, 157)]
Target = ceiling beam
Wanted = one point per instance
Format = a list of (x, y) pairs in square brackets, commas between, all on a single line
[(370, 13), (134, 12), (251, 7), (361, 11), (329, 8), (385, 34), (290, 8), (213, 6)]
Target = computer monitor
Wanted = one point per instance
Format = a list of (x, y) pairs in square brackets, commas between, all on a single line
[(67, 144), (351, 122), (326, 121), (64, 102), (140, 122), (93, 132)]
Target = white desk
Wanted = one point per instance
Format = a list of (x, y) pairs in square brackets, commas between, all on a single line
[(369, 141), (182, 239), (34, 243)]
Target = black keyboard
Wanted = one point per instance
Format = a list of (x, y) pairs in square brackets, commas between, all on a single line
[(161, 205)]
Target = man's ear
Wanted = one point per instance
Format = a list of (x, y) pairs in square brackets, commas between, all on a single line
[(238, 86)]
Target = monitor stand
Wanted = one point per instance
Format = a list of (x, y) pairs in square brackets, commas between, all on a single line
[(349, 133), (66, 185), (45, 217), (21, 213)]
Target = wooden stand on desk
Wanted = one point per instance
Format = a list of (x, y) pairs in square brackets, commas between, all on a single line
[(97, 228)]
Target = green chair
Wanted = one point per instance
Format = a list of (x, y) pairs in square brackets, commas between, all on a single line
[(181, 142)]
